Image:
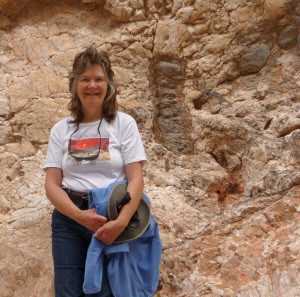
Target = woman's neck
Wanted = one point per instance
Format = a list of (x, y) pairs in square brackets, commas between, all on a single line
[(91, 117)]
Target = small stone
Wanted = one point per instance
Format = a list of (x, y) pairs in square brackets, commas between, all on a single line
[(169, 69), (287, 37), (27, 149), (232, 71), (169, 112), (169, 125), (170, 38), (296, 20), (254, 59), (5, 132), (187, 15), (166, 96), (167, 83), (139, 15)]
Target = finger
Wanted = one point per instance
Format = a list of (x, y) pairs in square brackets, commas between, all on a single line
[(98, 222), (99, 232), (90, 211), (101, 219)]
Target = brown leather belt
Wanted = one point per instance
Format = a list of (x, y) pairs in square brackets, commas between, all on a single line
[(81, 199)]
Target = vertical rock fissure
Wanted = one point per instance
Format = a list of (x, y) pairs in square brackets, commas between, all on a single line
[(171, 124)]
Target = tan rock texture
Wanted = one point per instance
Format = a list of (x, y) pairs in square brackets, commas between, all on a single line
[(214, 88)]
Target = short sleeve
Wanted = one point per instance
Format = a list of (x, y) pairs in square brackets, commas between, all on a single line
[(132, 145), (55, 151)]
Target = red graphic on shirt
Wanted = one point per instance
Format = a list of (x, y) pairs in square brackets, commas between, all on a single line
[(88, 144), (87, 148)]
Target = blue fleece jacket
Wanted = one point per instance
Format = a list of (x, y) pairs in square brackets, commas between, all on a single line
[(133, 267)]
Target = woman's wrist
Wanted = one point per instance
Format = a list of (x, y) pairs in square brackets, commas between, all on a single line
[(77, 215), (122, 221)]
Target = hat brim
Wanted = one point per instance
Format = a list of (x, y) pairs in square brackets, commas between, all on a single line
[(132, 231)]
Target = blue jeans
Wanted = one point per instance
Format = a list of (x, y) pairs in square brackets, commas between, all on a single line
[(70, 242)]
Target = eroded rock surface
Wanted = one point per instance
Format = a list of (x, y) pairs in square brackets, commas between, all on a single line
[(214, 88)]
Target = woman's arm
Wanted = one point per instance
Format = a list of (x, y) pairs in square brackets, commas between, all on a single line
[(61, 201), (112, 229)]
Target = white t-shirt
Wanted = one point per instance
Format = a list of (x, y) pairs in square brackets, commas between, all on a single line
[(120, 145)]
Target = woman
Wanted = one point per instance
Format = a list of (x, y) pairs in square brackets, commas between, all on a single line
[(93, 148)]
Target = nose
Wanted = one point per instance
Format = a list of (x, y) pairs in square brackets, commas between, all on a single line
[(92, 84)]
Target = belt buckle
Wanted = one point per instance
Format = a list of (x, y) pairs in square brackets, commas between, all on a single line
[(85, 196)]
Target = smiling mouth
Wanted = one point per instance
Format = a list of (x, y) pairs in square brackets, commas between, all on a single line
[(92, 94)]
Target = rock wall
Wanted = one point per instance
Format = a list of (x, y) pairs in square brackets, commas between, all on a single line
[(214, 88)]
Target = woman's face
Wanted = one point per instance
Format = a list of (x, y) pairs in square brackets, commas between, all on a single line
[(91, 88)]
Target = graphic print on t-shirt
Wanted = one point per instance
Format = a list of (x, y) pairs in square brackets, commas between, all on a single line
[(87, 149)]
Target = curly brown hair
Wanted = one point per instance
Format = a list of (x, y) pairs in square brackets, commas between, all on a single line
[(81, 62)]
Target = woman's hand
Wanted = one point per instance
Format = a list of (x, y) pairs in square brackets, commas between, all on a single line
[(109, 232), (59, 198), (90, 219)]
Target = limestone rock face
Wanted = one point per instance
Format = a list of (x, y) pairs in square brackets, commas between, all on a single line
[(214, 88)]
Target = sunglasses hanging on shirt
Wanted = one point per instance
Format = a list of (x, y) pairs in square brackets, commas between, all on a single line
[(86, 154)]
